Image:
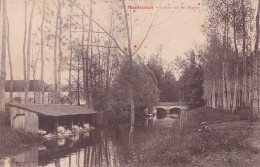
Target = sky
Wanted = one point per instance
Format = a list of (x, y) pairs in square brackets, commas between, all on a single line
[(177, 28)]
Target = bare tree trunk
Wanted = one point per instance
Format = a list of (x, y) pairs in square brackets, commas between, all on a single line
[(86, 88), (101, 77), (99, 66), (224, 102), (107, 67), (34, 63), (257, 86), (60, 53), (130, 89), (219, 101), (10, 61), (234, 27), (28, 53), (42, 57), (213, 96), (244, 95), (55, 53), (250, 78), (3, 59), (70, 54), (90, 70), (235, 104), (227, 81), (235, 101), (78, 95), (229, 95), (82, 52), (255, 67), (24, 40)]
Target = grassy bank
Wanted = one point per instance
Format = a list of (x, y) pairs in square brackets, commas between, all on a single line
[(12, 141), (225, 144)]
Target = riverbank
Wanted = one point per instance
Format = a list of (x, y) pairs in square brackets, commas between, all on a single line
[(11, 141), (228, 143), (231, 141)]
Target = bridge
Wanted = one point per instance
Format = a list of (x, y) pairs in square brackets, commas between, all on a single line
[(169, 108)]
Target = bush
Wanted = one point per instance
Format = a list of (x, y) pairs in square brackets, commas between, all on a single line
[(113, 117), (246, 113), (143, 83)]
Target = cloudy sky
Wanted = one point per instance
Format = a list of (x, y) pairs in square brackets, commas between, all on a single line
[(177, 28)]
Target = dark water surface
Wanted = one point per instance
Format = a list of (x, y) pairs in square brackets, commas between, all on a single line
[(109, 146)]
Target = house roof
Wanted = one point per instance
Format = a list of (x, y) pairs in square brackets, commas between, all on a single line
[(55, 109), (19, 86)]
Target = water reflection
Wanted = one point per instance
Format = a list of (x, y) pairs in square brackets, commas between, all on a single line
[(100, 147)]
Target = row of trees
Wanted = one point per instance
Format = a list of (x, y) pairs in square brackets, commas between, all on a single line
[(91, 61), (226, 69), (231, 56), (190, 83), (3, 55), (102, 62)]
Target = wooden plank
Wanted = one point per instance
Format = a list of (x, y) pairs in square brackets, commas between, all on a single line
[(56, 109), (19, 122)]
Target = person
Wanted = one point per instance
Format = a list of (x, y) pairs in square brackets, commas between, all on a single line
[(204, 131)]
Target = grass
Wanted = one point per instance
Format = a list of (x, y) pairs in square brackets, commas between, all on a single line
[(12, 141), (226, 144)]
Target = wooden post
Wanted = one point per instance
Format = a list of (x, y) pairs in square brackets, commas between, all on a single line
[(181, 120), (83, 117), (72, 121), (57, 120)]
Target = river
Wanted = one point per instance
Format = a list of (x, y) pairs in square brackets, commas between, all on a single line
[(109, 146)]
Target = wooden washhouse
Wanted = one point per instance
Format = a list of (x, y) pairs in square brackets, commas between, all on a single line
[(32, 118)]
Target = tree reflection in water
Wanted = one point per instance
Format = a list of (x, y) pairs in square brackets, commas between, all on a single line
[(111, 146)]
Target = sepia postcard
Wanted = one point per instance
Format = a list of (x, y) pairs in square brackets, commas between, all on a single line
[(120, 83)]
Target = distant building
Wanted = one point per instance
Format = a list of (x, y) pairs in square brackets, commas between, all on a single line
[(34, 94), (74, 97)]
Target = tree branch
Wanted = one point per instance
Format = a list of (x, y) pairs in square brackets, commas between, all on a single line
[(148, 30), (74, 3)]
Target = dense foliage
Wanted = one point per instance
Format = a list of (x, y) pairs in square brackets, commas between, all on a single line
[(230, 58), (191, 80), (146, 92), (166, 81)]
